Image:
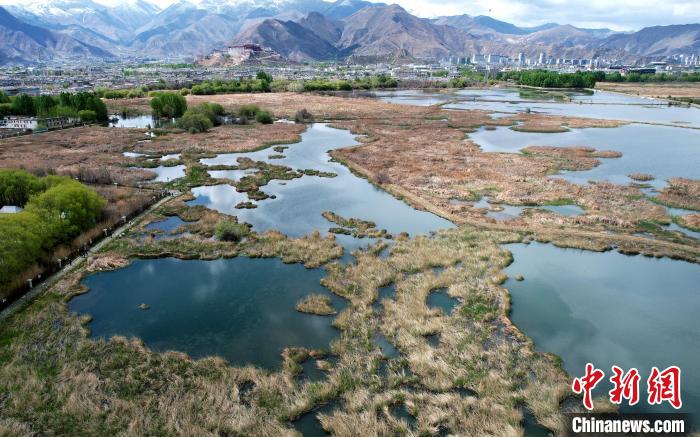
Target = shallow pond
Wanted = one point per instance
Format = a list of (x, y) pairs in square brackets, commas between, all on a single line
[(608, 308), (416, 97), (600, 105), (167, 225), (440, 299), (308, 424), (661, 151), (139, 121), (167, 174), (242, 309), (508, 212), (298, 205), (222, 198)]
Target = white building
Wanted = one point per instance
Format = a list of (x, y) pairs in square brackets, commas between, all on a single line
[(32, 123)]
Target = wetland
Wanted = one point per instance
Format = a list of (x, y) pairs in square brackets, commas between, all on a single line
[(444, 322)]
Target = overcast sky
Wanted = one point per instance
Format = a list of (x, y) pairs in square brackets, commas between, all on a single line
[(614, 14)]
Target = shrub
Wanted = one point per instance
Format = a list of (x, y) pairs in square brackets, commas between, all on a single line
[(87, 115), (303, 116), (5, 109), (263, 117), (169, 105), (194, 122), (210, 110), (248, 111), (231, 231)]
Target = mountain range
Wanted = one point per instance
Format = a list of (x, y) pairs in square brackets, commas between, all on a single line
[(303, 30)]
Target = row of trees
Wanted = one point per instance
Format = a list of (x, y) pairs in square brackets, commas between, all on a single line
[(261, 84), (553, 79), (372, 82), (87, 106), (56, 210)]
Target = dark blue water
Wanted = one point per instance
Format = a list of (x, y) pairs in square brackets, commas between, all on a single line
[(440, 299), (167, 225), (608, 308), (242, 309)]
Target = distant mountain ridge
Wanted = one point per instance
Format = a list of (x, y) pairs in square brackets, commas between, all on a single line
[(305, 30), (22, 42)]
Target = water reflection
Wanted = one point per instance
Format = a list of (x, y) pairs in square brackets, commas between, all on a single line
[(298, 205), (608, 308), (661, 151), (241, 309)]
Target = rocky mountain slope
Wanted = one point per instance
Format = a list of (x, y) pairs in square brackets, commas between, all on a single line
[(22, 43), (322, 30)]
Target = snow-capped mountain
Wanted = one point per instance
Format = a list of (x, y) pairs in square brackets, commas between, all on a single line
[(24, 43), (186, 27), (190, 28)]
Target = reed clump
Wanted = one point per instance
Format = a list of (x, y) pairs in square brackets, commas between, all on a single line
[(642, 177), (316, 304)]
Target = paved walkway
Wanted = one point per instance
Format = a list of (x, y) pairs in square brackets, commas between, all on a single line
[(77, 262)]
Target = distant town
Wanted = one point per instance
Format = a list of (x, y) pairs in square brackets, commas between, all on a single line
[(242, 61)]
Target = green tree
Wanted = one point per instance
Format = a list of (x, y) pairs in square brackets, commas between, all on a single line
[(43, 105), (194, 122), (267, 77), (263, 117), (87, 116), (16, 186), (23, 105), (69, 208), (169, 105)]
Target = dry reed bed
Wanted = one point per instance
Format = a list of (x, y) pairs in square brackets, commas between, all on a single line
[(119, 386), (316, 304), (684, 89), (432, 163), (681, 193), (91, 153)]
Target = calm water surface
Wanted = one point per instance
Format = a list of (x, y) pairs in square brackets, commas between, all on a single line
[(608, 308), (584, 306), (139, 121), (298, 205), (661, 151), (242, 309)]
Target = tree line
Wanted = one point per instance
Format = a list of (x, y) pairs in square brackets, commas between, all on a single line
[(553, 79), (86, 106), (56, 210)]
